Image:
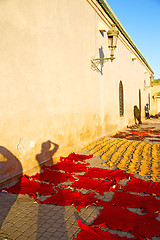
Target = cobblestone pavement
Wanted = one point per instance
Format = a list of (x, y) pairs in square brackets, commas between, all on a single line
[(22, 218), (130, 153)]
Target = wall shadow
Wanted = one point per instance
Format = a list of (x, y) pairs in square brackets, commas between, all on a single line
[(101, 55), (8, 164), (47, 219), (97, 65)]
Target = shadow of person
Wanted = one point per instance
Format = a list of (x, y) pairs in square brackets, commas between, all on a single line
[(50, 217), (10, 168), (137, 115), (48, 149)]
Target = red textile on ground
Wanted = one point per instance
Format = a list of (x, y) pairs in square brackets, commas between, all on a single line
[(26, 186), (99, 186), (144, 133), (140, 186), (114, 217), (89, 233), (69, 166), (117, 218), (105, 173), (147, 203), (155, 132), (67, 197), (76, 157), (53, 176)]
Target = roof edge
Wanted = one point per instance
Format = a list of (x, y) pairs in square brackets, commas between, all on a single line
[(121, 29)]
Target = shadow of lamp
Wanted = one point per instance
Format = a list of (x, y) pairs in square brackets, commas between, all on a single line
[(112, 44)]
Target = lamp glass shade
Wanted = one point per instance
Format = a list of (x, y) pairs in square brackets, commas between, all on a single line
[(110, 41), (112, 37), (114, 42)]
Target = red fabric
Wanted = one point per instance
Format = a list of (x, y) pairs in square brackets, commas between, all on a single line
[(154, 132), (106, 174), (69, 166), (99, 186), (67, 197), (53, 176), (146, 203), (140, 186), (144, 133), (26, 186), (137, 135), (76, 157), (114, 215), (141, 226), (89, 233)]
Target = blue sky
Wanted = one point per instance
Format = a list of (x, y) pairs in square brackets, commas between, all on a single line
[(141, 20)]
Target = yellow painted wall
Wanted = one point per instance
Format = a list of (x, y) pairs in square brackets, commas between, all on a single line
[(155, 101), (52, 101)]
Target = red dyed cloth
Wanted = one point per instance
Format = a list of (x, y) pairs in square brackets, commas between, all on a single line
[(89, 233), (69, 166), (154, 132), (76, 157), (26, 186), (143, 133), (140, 186), (99, 186), (141, 226), (53, 176), (147, 203), (67, 197), (106, 174)]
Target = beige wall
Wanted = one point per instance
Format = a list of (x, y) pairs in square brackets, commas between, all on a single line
[(49, 91), (154, 100)]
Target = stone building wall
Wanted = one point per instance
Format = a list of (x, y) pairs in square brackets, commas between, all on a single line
[(52, 100)]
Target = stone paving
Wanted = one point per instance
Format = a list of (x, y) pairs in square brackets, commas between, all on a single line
[(135, 157), (22, 218)]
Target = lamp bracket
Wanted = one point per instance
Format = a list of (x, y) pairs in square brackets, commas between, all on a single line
[(98, 61)]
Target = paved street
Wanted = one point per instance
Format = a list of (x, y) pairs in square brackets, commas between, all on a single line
[(23, 218), (135, 150)]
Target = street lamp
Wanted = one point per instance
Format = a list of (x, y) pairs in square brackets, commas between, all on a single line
[(112, 40), (151, 80), (112, 44)]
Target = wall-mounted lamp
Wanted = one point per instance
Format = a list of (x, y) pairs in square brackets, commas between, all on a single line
[(112, 44), (151, 80), (112, 40)]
